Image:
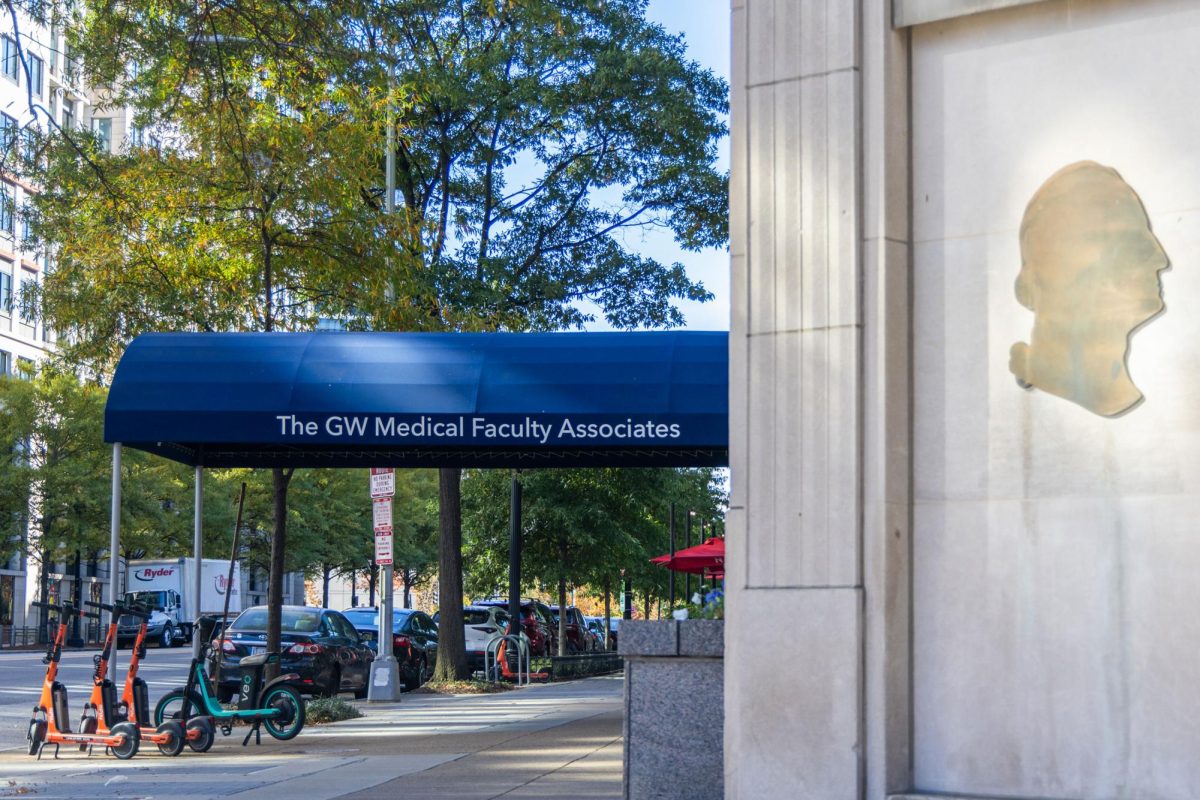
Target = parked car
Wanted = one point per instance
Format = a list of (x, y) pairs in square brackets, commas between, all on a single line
[(414, 640), (536, 623), (575, 629), (595, 629), (317, 643), (482, 624), (613, 624)]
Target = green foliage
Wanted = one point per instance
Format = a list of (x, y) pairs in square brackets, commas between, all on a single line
[(606, 520), (323, 710)]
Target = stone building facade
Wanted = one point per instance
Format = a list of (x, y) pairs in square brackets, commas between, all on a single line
[(941, 582)]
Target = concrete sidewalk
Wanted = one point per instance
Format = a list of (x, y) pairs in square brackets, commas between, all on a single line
[(556, 740)]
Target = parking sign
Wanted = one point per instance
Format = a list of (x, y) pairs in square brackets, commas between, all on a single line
[(383, 481)]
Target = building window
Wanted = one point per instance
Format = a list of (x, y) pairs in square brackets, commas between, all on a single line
[(55, 38), (6, 291), (102, 127), (9, 64), (35, 74), (70, 68), (27, 302), (5, 362), (8, 207), (25, 368), (8, 136), (68, 115)]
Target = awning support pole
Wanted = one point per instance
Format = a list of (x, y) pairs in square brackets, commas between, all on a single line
[(198, 556), (114, 547), (514, 555)]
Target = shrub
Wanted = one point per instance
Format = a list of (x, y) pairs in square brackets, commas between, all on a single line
[(329, 709)]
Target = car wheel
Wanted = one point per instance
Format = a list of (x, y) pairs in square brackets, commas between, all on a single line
[(168, 636), (420, 674), (334, 686)]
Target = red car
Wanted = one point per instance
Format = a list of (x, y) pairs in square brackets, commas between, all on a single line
[(578, 640), (537, 623)]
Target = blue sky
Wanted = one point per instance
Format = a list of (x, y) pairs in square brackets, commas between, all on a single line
[(705, 27)]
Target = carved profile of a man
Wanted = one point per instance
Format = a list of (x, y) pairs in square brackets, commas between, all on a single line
[(1089, 272)]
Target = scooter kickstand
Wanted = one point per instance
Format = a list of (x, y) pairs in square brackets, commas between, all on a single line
[(255, 732)]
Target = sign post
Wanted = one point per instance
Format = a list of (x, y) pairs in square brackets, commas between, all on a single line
[(385, 672)]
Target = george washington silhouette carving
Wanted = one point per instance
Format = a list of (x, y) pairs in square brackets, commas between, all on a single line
[(1089, 273)]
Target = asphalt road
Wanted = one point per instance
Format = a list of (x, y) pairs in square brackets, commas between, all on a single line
[(22, 672)]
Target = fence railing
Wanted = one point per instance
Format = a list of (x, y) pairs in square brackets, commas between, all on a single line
[(33, 635), (579, 666)]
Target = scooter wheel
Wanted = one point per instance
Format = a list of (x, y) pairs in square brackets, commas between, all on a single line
[(37, 735), (131, 737), (208, 734), (173, 746), (87, 726), (290, 719)]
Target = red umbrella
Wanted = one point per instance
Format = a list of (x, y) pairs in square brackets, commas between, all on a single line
[(706, 558)]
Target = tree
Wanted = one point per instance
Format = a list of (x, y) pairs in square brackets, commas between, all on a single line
[(581, 527), (537, 135), (255, 210), (534, 136)]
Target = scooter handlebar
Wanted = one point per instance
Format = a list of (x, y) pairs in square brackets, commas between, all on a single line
[(65, 609), (120, 609)]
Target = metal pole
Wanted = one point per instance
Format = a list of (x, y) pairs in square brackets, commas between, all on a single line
[(219, 649), (198, 555), (671, 572), (687, 542), (114, 547), (514, 556)]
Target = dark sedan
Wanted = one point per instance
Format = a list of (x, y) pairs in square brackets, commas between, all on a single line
[(319, 644), (414, 640)]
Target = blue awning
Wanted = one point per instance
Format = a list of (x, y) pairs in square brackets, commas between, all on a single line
[(425, 399)]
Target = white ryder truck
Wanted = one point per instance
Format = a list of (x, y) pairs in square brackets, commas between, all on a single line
[(169, 585)]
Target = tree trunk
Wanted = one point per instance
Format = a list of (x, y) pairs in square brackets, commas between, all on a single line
[(646, 606), (325, 570), (279, 486), (372, 577), (407, 577), (452, 654)]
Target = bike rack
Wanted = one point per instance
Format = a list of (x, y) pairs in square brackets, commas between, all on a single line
[(490, 656)]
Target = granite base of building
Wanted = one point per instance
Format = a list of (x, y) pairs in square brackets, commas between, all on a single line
[(674, 709)]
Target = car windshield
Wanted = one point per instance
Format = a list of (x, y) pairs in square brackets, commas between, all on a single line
[(474, 617), (147, 599), (369, 617), (299, 620)]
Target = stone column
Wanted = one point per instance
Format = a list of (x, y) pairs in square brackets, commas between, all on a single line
[(817, 616)]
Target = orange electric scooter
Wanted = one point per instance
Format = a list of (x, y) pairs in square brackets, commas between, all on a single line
[(51, 722), (135, 699), (101, 713)]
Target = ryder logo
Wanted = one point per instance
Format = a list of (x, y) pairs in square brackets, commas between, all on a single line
[(221, 582), (150, 573)]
